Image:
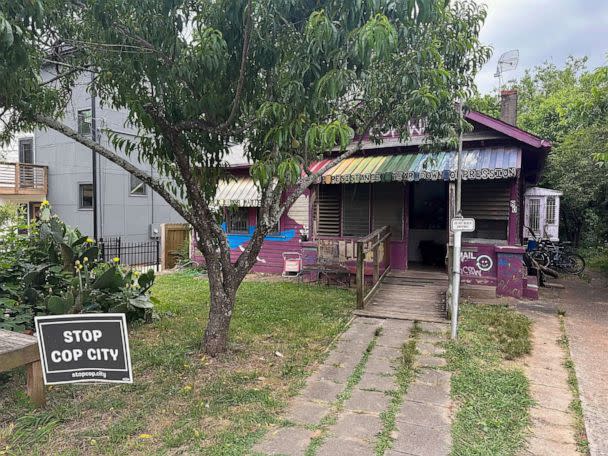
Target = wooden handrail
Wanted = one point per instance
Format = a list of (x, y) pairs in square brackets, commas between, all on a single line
[(371, 243)]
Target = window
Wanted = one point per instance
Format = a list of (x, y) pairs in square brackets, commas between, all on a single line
[(488, 202), (26, 150), (355, 209), (84, 122), (534, 215), (137, 187), (551, 210), (328, 210), (85, 196), (237, 219)]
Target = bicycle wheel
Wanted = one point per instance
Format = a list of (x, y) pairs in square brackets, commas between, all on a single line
[(540, 257), (573, 263)]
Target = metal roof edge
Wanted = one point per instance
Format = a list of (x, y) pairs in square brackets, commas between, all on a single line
[(509, 130)]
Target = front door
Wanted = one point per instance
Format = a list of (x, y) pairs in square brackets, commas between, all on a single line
[(427, 237)]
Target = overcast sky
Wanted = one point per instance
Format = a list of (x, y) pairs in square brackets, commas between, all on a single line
[(543, 30)]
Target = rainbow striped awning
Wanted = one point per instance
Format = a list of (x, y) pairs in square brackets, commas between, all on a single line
[(485, 163)]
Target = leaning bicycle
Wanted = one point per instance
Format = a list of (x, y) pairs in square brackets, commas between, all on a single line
[(556, 255)]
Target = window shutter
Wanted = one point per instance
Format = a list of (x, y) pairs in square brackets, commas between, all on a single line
[(387, 208), (355, 209), (328, 210), (487, 200)]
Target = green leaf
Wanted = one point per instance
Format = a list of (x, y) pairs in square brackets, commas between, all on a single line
[(58, 306)]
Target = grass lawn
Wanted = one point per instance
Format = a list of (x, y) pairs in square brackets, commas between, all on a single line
[(181, 401), (492, 395)]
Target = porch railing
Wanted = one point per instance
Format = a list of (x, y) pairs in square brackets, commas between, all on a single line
[(365, 245), (23, 179)]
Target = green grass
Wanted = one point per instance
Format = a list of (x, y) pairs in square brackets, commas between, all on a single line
[(576, 406), (182, 401), (404, 375), (596, 257), (493, 399)]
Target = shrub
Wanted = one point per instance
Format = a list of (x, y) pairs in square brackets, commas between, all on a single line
[(51, 268)]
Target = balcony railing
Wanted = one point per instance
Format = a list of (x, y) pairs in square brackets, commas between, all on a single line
[(23, 179)]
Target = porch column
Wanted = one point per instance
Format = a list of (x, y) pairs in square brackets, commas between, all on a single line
[(510, 271), (514, 235)]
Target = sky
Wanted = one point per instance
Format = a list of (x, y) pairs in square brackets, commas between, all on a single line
[(543, 30)]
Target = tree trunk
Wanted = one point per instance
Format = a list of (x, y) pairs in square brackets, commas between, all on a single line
[(222, 297)]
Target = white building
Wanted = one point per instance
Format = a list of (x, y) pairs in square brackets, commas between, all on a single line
[(542, 213)]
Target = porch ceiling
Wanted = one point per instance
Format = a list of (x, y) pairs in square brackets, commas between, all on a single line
[(485, 163)]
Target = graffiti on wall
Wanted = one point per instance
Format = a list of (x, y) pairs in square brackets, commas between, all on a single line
[(475, 265)]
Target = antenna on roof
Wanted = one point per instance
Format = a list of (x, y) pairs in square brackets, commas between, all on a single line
[(507, 62)]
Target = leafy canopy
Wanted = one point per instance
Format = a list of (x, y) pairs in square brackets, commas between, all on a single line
[(292, 79)]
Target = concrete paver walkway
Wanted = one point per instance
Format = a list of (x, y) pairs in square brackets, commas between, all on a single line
[(586, 307), (423, 422), (340, 410), (552, 421)]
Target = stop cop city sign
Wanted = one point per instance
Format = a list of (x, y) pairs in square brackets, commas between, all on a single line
[(84, 348), (466, 225)]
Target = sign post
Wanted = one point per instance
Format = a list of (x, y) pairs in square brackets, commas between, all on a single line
[(457, 234), (84, 348)]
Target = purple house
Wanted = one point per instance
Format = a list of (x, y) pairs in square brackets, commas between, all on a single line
[(395, 184)]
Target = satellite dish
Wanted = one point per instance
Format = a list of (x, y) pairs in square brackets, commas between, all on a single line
[(507, 62)]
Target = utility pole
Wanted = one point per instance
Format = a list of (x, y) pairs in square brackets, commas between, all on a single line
[(94, 155), (457, 233)]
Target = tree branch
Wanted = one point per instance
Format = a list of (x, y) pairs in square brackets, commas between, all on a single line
[(153, 183), (244, 56)]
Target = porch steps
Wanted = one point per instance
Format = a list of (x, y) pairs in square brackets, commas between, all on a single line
[(409, 295)]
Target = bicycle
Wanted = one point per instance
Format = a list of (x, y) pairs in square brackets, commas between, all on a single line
[(553, 255)]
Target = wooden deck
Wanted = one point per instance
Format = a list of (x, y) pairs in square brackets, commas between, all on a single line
[(410, 295)]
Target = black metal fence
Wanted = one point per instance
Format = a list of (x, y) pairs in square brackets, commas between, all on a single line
[(139, 255)]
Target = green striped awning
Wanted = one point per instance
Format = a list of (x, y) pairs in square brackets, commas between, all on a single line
[(486, 163)]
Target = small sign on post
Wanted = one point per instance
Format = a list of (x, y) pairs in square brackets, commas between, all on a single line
[(466, 225), (84, 348)]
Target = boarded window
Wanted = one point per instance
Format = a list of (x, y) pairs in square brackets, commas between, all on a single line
[(550, 210), (328, 210), (355, 209), (387, 208), (534, 214), (488, 203)]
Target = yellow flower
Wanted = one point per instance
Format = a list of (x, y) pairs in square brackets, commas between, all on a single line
[(85, 260), (45, 203), (90, 241), (145, 436), (76, 262), (116, 260)]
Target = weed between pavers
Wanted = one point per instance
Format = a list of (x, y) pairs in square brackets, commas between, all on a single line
[(405, 373), (337, 406), (576, 405)]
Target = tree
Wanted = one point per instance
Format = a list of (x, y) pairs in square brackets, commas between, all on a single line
[(569, 106), (292, 80)]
